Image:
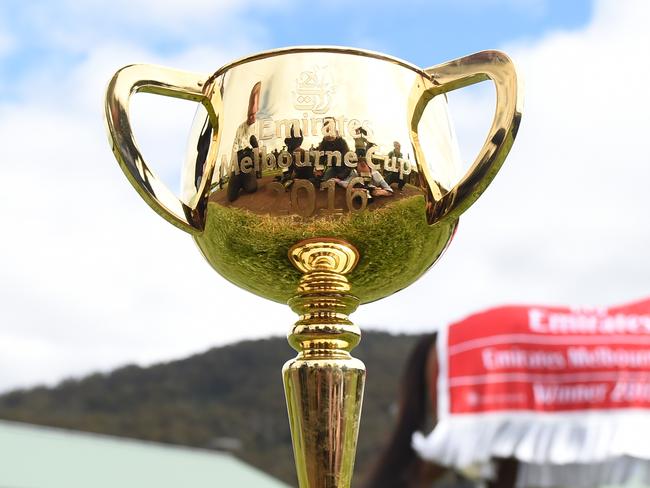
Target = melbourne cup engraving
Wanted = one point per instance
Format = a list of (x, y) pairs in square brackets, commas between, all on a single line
[(323, 178)]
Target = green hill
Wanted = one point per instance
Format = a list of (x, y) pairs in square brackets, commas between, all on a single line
[(228, 396)]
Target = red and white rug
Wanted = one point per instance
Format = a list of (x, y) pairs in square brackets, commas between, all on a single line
[(566, 391)]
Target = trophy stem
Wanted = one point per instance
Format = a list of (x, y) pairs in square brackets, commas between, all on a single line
[(324, 383)]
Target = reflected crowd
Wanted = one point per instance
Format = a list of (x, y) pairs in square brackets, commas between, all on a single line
[(331, 163)]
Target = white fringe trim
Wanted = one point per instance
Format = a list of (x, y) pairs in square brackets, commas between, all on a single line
[(616, 441)]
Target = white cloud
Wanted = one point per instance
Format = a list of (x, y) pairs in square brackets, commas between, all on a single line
[(91, 278), (7, 39), (566, 220), (71, 29), (7, 42), (154, 11)]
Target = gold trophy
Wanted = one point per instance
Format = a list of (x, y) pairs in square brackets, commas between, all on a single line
[(325, 178)]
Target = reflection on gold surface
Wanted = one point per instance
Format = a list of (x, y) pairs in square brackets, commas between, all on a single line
[(323, 178)]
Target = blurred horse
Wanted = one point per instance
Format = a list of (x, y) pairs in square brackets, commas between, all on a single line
[(583, 372), (399, 466)]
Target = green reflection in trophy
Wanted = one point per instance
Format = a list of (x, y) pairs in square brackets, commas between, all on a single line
[(323, 178)]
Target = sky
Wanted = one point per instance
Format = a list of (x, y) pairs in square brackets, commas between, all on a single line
[(91, 279)]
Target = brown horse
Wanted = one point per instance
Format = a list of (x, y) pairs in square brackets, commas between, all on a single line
[(399, 466)]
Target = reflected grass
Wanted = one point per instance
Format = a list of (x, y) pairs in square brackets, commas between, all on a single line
[(395, 243)]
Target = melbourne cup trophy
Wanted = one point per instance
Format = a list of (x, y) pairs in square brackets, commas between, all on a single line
[(324, 178)]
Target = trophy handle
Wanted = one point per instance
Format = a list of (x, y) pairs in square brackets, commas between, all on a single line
[(462, 72), (170, 83)]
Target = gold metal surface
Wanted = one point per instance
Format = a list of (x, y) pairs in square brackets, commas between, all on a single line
[(136, 78), (324, 383), (323, 178), (252, 188), (462, 72), (318, 49)]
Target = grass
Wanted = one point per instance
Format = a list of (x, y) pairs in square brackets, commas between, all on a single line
[(395, 243)]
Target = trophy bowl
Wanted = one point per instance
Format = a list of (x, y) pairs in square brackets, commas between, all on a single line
[(325, 178)]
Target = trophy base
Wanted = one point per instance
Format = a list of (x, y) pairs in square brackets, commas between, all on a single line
[(324, 383)]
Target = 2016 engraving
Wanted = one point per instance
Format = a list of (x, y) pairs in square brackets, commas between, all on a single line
[(352, 193), (302, 196), (330, 186), (309, 207)]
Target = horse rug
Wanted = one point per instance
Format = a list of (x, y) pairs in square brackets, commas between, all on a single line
[(565, 391)]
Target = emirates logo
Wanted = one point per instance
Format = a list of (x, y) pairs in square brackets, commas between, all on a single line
[(314, 90)]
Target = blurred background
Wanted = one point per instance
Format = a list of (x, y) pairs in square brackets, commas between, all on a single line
[(92, 281)]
